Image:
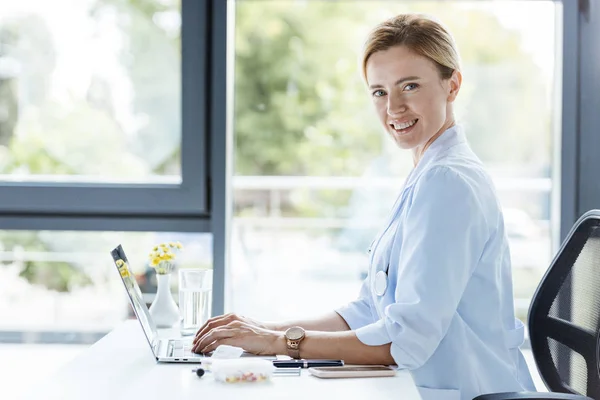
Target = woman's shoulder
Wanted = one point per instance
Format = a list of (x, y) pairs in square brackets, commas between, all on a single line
[(459, 178), (457, 190), (459, 174), (461, 166)]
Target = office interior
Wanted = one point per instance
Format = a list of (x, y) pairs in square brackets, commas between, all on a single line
[(242, 130)]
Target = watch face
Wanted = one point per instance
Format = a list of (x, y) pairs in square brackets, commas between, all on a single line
[(294, 333)]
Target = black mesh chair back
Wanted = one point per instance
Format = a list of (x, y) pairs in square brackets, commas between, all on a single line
[(564, 317)]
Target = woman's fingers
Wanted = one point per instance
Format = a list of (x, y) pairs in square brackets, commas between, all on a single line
[(221, 332), (213, 323), (241, 334), (213, 346), (222, 320)]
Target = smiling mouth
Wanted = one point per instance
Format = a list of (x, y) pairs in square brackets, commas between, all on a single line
[(403, 128)]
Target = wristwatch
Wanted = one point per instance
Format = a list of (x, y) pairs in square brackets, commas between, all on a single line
[(293, 337)]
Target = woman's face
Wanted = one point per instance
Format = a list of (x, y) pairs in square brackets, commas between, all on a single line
[(412, 101)]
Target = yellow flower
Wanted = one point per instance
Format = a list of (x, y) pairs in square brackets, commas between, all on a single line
[(120, 263), (162, 255)]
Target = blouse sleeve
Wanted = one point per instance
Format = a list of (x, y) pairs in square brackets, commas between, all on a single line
[(358, 313)]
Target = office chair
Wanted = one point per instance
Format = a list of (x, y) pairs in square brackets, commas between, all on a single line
[(564, 319)]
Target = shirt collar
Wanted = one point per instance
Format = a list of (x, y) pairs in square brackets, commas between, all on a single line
[(449, 138)]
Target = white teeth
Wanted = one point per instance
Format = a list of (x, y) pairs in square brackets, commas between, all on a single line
[(404, 125)]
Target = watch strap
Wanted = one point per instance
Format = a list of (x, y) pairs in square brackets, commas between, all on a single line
[(293, 347)]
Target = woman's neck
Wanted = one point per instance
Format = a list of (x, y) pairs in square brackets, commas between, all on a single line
[(420, 150)]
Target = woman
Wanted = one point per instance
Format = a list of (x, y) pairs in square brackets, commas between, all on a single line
[(438, 298)]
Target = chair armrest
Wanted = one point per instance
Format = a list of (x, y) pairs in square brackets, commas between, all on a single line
[(531, 396)]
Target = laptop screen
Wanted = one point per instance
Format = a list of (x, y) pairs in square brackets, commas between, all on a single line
[(135, 295)]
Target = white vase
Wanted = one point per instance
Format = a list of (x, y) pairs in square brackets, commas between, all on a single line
[(164, 311)]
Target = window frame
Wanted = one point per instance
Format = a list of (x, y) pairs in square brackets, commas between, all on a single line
[(190, 198), (586, 134)]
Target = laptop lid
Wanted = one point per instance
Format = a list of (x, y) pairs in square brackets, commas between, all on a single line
[(135, 297)]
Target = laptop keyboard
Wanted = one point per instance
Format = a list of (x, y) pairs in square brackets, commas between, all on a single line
[(183, 349)]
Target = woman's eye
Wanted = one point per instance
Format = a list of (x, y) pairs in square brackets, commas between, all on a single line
[(411, 86), (378, 93)]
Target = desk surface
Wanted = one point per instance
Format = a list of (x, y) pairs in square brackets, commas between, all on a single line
[(121, 366)]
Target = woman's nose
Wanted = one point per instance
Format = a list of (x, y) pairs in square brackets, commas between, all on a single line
[(396, 105)]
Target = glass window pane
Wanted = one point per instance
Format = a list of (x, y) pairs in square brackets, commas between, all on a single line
[(90, 91), (67, 282), (315, 175)]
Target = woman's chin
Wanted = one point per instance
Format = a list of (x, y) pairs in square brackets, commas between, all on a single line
[(402, 142), (403, 145)]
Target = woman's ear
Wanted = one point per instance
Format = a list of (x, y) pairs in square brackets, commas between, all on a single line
[(454, 85)]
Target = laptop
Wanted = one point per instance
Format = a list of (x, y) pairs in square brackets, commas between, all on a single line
[(176, 350)]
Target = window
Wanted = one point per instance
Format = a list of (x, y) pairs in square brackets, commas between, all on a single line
[(90, 94), (66, 281), (315, 175), (96, 100), (93, 114)]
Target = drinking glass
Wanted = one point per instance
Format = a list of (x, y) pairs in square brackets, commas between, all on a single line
[(195, 298)]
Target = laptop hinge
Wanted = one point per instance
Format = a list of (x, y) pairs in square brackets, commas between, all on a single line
[(156, 347)]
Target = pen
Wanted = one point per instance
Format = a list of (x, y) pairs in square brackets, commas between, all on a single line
[(307, 363)]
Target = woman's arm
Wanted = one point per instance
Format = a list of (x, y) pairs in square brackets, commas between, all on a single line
[(343, 345), (331, 322), (339, 346)]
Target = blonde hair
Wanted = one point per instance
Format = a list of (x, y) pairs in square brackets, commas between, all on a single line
[(421, 35)]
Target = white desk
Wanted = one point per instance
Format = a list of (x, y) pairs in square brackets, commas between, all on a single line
[(121, 366)]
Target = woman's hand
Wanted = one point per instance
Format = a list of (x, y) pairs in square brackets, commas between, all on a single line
[(253, 339), (222, 320), (223, 325)]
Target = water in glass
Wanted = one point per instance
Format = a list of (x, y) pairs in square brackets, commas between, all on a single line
[(195, 299)]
